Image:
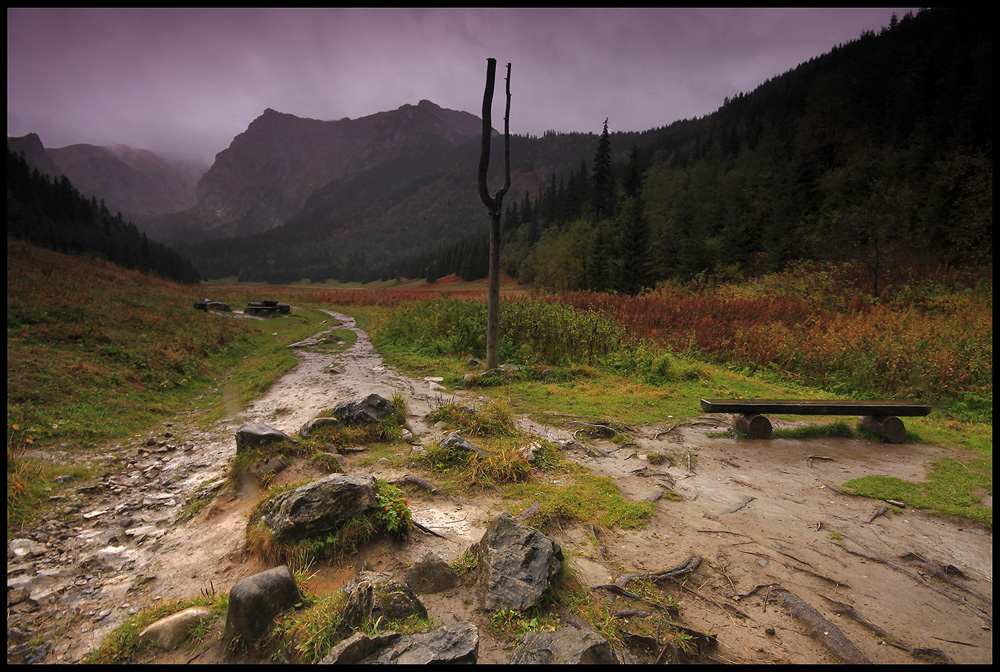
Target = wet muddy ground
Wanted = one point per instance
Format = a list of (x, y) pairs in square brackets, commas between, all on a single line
[(764, 516)]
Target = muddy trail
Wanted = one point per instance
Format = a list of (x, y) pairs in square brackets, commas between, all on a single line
[(784, 554)]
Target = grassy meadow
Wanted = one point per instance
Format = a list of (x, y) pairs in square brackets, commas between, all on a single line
[(96, 353)]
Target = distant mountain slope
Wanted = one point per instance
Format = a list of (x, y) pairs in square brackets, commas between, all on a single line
[(135, 182), (54, 214), (423, 198)]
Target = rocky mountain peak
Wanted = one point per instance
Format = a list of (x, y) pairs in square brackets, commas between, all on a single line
[(31, 147), (269, 170)]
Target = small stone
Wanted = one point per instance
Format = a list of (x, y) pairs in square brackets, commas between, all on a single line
[(16, 595), (168, 632)]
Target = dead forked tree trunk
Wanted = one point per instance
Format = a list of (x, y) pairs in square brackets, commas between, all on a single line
[(494, 205)]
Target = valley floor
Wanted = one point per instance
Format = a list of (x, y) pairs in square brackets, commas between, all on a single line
[(764, 516)]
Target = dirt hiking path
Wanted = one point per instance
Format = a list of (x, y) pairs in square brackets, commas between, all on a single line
[(902, 587)]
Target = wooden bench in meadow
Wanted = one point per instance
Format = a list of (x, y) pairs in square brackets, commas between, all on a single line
[(880, 417)]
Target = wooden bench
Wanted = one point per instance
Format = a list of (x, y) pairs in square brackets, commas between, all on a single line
[(879, 417)]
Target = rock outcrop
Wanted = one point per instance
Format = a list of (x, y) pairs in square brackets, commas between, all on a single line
[(516, 565), (371, 409), (254, 434), (317, 507)]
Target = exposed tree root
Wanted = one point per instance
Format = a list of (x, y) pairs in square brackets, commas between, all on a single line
[(848, 610), (978, 612), (419, 482), (821, 629), (946, 573), (880, 511)]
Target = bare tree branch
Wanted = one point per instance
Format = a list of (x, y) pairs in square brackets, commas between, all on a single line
[(494, 205)]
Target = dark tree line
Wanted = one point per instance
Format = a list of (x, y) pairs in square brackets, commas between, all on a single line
[(53, 214), (880, 151)]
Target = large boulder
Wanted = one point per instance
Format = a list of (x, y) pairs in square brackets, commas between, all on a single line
[(371, 409), (256, 600), (516, 565), (566, 646), (318, 507), (255, 434)]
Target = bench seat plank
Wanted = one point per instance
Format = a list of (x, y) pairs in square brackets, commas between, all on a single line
[(813, 407)]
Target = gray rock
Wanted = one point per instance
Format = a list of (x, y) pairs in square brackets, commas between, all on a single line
[(456, 441), (316, 423), (208, 490), (26, 547), (358, 647), (16, 595), (371, 409), (255, 434), (256, 600), (317, 507), (168, 632), (517, 564), (28, 654), (431, 574), (30, 581), (454, 643), (566, 646), (529, 451), (269, 467)]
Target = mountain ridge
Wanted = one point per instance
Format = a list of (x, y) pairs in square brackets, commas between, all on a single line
[(268, 171)]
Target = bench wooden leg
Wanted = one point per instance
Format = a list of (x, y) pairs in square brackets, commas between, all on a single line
[(756, 426), (889, 427)]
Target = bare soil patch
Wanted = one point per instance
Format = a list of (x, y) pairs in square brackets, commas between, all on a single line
[(762, 515)]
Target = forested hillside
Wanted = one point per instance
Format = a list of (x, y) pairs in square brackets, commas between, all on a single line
[(55, 215), (879, 151)]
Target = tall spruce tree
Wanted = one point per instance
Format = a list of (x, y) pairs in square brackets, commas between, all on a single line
[(603, 193)]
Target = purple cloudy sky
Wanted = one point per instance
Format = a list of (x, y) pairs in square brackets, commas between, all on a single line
[(184, 82)]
